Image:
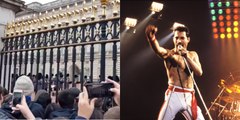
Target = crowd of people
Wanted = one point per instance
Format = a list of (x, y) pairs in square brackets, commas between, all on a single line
[(72, 103)]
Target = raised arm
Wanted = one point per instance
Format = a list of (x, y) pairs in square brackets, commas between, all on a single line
[(150, 34)]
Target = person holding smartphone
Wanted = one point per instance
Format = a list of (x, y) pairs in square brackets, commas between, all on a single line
[(86, 107), (24, 87)]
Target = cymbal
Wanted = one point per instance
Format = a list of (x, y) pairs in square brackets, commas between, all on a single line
[(230, 113), (236, 113), (235, 87), (227, 113), (223, 82), (235, 96)]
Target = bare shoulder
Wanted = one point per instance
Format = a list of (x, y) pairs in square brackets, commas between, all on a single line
[(193, 53)]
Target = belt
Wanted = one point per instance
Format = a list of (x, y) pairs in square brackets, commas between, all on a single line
[(194, 101)]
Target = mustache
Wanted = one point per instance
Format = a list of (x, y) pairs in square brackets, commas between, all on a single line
[(180, 44)]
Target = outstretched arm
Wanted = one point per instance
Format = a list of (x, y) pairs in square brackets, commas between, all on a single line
[(150, 33)]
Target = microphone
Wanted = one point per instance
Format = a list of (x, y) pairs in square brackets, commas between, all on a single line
[(180, 47)]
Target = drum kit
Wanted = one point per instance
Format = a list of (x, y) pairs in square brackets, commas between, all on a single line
[(227, 104)]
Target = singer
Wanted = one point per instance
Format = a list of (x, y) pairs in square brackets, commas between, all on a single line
[(180, 95)]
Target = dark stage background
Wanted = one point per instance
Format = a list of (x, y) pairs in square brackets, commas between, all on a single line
[(143, 76)]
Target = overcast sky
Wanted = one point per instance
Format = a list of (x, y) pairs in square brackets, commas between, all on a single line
[(40, 1)]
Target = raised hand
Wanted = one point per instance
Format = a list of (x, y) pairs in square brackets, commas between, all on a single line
[(150, 32), (85, 106), (116, 91)]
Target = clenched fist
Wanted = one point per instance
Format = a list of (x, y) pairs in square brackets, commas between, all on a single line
[(150, 32)]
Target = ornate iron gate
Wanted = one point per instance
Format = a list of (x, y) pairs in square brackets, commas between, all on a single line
[(45, 51)]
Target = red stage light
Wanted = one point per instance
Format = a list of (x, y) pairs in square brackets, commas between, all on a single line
[(235, 17), (229, 23), (222, 30), (235, 3), (235, 11), (214, 24), (228, 11), (215, 30), (220, 17), (221, 24), (215, 36), (228, 17)]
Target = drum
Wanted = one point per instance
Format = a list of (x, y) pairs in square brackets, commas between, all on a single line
[(235, 106)]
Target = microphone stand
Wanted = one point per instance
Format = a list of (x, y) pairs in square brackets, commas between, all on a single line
[(200, 95), (216, 99), (222, 110)]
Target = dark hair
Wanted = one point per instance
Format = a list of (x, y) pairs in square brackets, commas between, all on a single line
[(46, 76), (29, 74), (44, 99), (50, 108), (182, 29), (74, 91), (1, 92), (8, 99), (66, 99), (39, 76), (5, 92)]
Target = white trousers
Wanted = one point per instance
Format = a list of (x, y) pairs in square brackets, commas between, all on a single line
[(176, 102)]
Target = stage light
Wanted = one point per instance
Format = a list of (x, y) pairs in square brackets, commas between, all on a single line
[(222, 36), (214, 24), (211, 4), (227, 4), (222, 30), (215, 36), (229, 35), (219, 4), (220, 11), (235, 29), (235, 11), (220, 17), (228, 17), (229, 23), (235, 3), (221, 24), (228, 11), (213, 12), (214, 18), (229, 29), (235, 35), (228, 90), (225, 18), (130, 22), (235, 17), (235, 23), (156, 7), (215, 30)]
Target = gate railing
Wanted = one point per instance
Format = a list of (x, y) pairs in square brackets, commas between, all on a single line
[(41, 52)]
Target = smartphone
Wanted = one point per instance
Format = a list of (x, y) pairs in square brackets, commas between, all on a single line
[(17, 95), (99, 90)]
